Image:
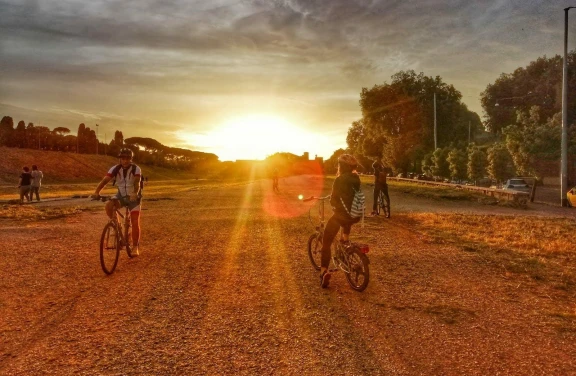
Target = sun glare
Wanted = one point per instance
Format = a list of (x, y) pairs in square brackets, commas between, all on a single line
[(253, 137)]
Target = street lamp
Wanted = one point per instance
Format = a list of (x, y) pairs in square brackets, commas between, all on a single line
[(564, 167)]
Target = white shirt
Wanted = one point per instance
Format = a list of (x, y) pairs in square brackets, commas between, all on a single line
[(125, 180), (36, 178)]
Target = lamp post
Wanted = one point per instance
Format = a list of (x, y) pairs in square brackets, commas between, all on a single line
[(435, 131), (564, 164)]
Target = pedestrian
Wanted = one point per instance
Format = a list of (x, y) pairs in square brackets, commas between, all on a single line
[(24, 184), (36, 183)]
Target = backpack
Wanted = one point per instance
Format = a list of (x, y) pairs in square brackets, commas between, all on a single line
[(117, 169), (357, 207)]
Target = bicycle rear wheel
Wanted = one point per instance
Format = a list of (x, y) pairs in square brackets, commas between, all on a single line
[(315, 249), (109, 248), (359, 274), (379, 204)]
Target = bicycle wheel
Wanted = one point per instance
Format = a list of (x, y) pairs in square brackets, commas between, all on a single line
[(128, 238), (359, 271), (386, 209), (315, 249), (379, 203), (109, 248)]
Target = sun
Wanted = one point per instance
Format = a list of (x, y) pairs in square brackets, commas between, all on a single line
[(255, 137)]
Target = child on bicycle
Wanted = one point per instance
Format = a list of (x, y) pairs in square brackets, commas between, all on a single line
[(343, 189), (127, 176)]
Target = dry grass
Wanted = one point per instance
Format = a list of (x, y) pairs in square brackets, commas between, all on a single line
[(540, 247), (532, 236)]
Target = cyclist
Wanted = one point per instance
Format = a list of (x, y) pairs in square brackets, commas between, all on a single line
[(380, 184), (346, 183), (127, 178)]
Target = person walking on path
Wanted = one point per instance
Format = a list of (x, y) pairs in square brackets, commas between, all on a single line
[(36, 183), (24, 184)]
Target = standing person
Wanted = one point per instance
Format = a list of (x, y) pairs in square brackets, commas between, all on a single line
[(127, 176), (24, 184), (275, 181), (36, 183), (345, 185), (380, 184)]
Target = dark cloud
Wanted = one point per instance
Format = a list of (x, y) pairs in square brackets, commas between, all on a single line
[(147, 56)]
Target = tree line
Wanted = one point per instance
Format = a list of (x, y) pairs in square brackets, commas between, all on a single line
[(521, 125), (146, 150)]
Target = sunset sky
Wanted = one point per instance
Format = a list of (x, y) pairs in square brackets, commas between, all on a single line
[(243, 79)]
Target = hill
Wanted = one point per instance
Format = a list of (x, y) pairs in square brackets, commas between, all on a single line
[(64, 167)]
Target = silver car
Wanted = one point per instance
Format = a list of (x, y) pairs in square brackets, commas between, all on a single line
[(517, 185)]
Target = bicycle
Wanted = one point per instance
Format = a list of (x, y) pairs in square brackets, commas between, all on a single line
[(382, 205), (116, 234), (350, 258)]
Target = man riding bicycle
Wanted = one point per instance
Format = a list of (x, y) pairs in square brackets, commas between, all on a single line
[(127, 177), (380, 184)]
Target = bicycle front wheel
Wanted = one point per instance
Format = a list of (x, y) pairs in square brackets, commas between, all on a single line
[(315, 250), (109, 248), (128, 239), (359, 272), (386, 209)]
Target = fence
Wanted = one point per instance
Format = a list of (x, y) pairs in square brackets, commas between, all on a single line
[(501, 194)]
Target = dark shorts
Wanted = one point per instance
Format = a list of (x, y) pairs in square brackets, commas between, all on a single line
[(125, 201)]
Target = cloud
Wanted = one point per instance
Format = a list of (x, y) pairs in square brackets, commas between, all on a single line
[(187, 64)]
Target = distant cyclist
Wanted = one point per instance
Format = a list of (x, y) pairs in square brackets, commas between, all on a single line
[(343, 189), (127, 178), (380, 184), (275, 181)]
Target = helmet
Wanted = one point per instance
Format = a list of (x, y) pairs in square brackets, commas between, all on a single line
[(348, 159), (125, 152)]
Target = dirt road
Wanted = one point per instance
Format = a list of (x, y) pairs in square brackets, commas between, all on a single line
[(223, 286)]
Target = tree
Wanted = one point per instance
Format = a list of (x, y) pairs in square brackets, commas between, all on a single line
[(538, 84), (457, 162), (476, 164), (440, 165), (500, 165), (531, 139), (6, 131), (427, 165), (19, 135), (331, 164), (397, 118)]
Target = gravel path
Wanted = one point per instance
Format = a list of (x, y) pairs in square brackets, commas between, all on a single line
[(224, 286)]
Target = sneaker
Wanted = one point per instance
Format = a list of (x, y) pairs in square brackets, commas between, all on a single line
[(345, 243), (373, 214), (325, 279), (135, 251)]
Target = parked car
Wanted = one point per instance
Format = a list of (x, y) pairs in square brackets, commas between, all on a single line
[(517, 185), (571, 196)]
